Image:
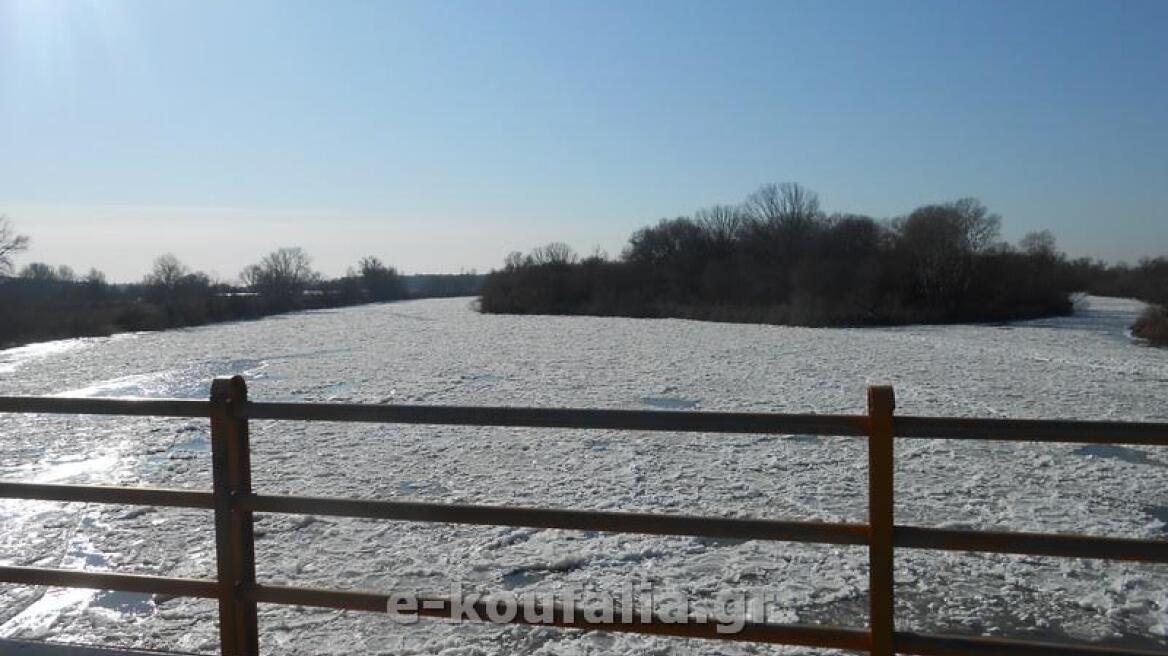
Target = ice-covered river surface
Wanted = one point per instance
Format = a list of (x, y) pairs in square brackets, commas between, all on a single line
[(441, 351)]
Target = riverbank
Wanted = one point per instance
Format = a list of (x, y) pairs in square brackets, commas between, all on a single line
[(1005, 287), (35, 323), (40, 311)]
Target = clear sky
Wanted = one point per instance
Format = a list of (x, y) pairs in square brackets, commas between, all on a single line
[(441, 135)]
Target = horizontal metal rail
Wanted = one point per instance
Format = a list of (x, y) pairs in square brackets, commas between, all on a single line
[(1033, 430), (583, 520), (440, 607), (135, 496), (163, 585), (1043, 544), (642, 420), (912, 537), (64, 405), (1022, 430), (807, 635), (1032, 544), (437, 607), (234, 504), (924, 644)]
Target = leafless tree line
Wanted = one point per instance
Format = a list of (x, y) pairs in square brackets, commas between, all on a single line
[(47, 302)]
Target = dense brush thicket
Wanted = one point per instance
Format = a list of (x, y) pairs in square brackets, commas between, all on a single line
[(1153, 325), (778, 259)]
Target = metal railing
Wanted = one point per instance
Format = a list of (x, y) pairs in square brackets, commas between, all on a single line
[(234, 504)]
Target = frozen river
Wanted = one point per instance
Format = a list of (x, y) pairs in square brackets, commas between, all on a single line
[(441, 351)]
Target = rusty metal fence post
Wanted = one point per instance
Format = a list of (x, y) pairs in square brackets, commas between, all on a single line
[(881, 404), (234, 533)]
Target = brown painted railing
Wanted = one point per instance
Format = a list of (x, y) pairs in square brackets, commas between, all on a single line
[(234, 504)]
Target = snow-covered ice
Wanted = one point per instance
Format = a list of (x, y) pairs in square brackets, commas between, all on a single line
[(441, 351)]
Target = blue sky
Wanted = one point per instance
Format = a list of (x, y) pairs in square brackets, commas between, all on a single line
[(442, 135)]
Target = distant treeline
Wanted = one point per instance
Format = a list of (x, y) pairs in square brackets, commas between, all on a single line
[(42, 302), (777, 258)]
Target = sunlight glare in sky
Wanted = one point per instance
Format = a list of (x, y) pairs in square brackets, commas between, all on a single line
[(53, 40)]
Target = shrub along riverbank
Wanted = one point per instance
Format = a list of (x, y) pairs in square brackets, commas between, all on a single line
[(1153, 325), (1148, 282)]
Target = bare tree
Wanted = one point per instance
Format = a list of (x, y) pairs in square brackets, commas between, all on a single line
[(667, 241), (382, 283), (721, 223), (556, 252), (252, 276), (65, 273), (283, 274), (10, 244), (514, 260), (1040, 244), (38, 271), (95, 284), (167, 273), (979, 228), (597, 255), (787, 205), (369, 263), (941, 243)]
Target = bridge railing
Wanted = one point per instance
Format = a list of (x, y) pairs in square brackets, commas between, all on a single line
[(234, 504)]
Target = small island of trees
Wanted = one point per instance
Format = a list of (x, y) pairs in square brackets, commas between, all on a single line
[(778, 258)]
